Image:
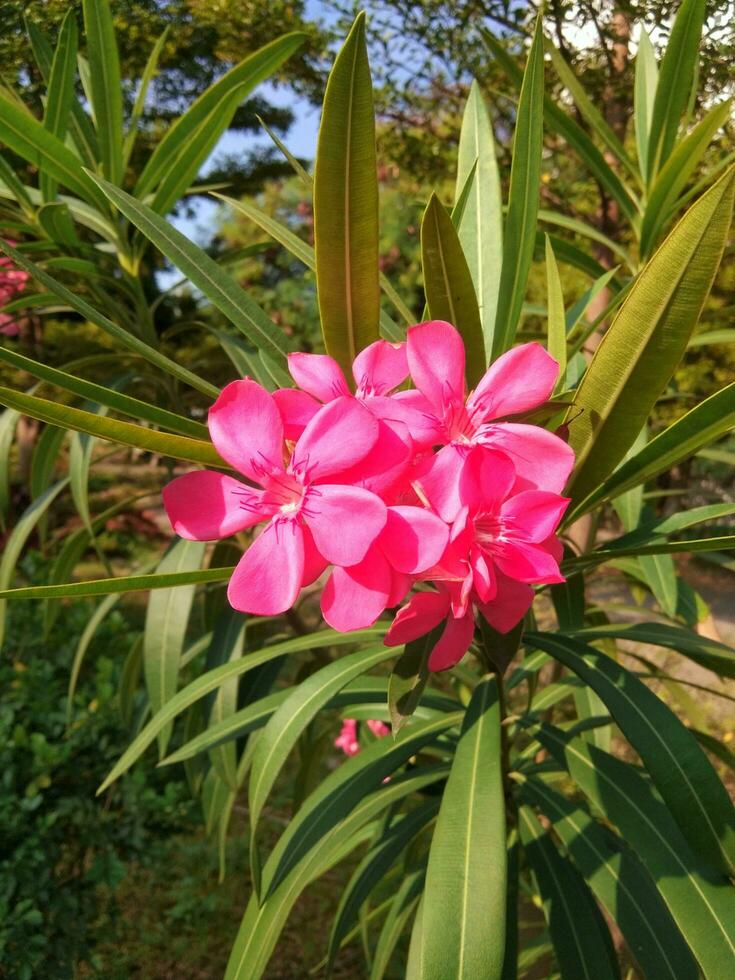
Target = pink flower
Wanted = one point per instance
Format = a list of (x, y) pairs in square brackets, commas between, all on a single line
[(311, 519), (347, 739), (500, 543), (12, 282), (377, 371), (519, 381)]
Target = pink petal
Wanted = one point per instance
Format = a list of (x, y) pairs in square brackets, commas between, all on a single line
[(247, 430), (527, 562), (483, 579), (340, 435), (353, 598), (440, 484), (345, 521), (204, 506), (509, 606), (314, 562), (319, 375), (385, 464), (399, 588), (297, 410), (486, 479), (413, 539), (436, 361), (533, 515), (417, 413), (378, 728), (521, 379), (453, 643), (268, 577), (380, 368), (554, 546), (419, 616), (347, 738), (542, 460)]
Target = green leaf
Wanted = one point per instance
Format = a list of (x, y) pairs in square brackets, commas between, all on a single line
[(715, 656), (113, 430), (91, 627), (523, 198), (401, 910), (8, 422), (27, 137), (99, 319), (212, 113), (675, 172), (213, 679), (481, 227), (561, 220), (646, 80), (450, 293), (346, 206), (674, 82), (16, 190), (620, 882), (305, 253), (588, 110), (298, 169), (373, 867), (467, 860), (288, 723), (15, 542), (122, 583), (581, 939), (105, 396), (228, 644), (701, 426), (647, 338), (660, 573), (703, 906), (262, 924), (682, 773), (203, 272), (408, 679), (60, 94), (557, 327), (151, 67), (573, 133), (105, 85), (166, 621)]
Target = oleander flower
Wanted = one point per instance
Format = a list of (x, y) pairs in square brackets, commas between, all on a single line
[(311, 520), (348, 740), (517, 382), (501, 543), (12, 282)]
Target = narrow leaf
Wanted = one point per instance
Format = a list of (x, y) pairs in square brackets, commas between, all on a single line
[(105, 85)]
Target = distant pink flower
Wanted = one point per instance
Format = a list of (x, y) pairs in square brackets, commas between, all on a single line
[(312, 520), (347, 739), (517, 382), (12, 282), (501, 542)]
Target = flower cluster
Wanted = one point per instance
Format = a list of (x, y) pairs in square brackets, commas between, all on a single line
[(12, 282), (348, 740), (387, 487)]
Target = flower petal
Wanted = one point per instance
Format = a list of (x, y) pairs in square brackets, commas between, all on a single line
[(204, 506), (247, 430), (520, 379), (440, 484), (542, 460), (510, 605), (453, 643), (345, 521), (416, 412), (486, 479), (483, 579), (419, 616), (340, 435), (319, 375), (268, 577), (314, 562), (527, 562), (413, 539), (533, 515), (380, 368), (297, 410), (436, 361), (353, 598), (386, 463)]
